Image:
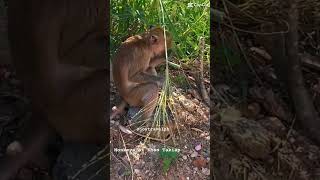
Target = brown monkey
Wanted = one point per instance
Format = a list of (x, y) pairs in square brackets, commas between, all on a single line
[(134, 71), (58, 50)]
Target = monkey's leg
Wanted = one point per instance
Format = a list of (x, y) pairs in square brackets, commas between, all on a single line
[(144, 96), (34, 140), (81, 115), (146, 78), (152, 70), (153, 64)]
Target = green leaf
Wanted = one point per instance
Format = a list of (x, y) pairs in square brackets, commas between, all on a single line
[(167, 156), (155, 5), (166, 164)]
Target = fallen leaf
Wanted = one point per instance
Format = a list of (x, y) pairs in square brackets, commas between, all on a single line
[(199, 162), (124, 129)]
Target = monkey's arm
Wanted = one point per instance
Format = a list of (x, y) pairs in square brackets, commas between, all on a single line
[(157, 61), (35, 38), (154, 62), (143, 77)]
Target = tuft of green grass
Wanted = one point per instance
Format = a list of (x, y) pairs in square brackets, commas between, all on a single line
[(167, 157), (181, 81)]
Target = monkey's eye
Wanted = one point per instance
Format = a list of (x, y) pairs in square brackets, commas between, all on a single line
[(153, 39)]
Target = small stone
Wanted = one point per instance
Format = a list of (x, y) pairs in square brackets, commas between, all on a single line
[(312, 156), (292, 140), (251, 138), (198, 147), (299, 149), (205, 171), (195, 169), (253, 110), (194, 154), (185, 157), (137, 171), (196, 101), (14, 148)]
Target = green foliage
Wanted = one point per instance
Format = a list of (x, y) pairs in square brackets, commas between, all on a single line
[(186, 20), (167, 156), (180, 80)]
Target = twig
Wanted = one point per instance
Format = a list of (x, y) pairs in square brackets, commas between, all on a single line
[(310, 61), (218, 16), (98, 172), (258, 33), (90, 163), (240, 46), (174, 65), (305, 110), (124, 144), (199, 75)]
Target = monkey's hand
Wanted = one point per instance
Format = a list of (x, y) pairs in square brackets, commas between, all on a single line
[(160, 81), (144, 77), (156, 61)]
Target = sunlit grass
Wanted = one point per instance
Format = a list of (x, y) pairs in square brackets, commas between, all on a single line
[(186, 22)]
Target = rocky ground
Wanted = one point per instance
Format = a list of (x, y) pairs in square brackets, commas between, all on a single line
[(255, 134)]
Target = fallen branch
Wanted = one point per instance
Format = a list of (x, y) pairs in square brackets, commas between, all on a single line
[(306, 112), (310, 61), (174, 65)]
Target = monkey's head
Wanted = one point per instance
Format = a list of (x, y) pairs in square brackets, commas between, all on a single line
[(155, 38)]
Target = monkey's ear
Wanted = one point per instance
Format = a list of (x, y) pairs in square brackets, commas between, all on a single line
[(153, 39)]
